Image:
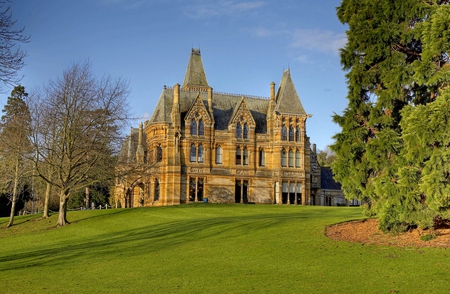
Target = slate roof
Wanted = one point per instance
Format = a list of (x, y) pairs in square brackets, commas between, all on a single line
[(129, 147), (223, 107), (287, 98), (326, 179), (195, 74)]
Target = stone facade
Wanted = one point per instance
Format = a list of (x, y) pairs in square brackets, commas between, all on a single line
[(201, 145)]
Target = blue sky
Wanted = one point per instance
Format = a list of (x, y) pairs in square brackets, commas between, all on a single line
[(245, 45)]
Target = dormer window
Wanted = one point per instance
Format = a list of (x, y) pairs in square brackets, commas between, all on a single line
[(238, 131), (201, 128), (245, 131), (193, 127)]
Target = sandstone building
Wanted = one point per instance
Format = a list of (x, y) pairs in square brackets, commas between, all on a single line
[(200, 144)]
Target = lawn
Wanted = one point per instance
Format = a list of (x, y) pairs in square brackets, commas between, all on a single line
[(209, 248)]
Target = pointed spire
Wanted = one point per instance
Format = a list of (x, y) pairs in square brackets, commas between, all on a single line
[(287, 98), (195, 77)]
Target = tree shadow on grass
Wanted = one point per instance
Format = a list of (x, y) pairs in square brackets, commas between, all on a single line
[(144, 240)]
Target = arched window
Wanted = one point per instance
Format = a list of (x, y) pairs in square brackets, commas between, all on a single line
[(238, 131), (297, 158), (291, 158), (283, 157), (284, 133), (219, 155), (262, 158), (201, 128), (245, 131), (238, 156), (200, 153), (291, 133), (193, 127), (297, 134), (245, 156), (193, 153), (159, 153)]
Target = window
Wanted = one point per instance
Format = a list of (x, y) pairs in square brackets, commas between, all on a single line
[(291, 133), (283, 157), (219, 155), (238, 131), (297, 158), (193, 127), (201, 128), (297, 134), (291, 158), (262, 158), (284, 133), (238, 156), (200, 153), (245, 156), (245, 131), (193, 153), (159, 153)]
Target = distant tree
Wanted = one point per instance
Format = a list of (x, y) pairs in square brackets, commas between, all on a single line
[(326, 156), (11, 56), (76, 128), (396, 57), (15, 146)]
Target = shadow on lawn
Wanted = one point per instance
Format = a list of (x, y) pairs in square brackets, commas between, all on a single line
[(144, 240)]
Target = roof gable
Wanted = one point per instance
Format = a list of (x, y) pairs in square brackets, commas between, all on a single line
[(242, 113)]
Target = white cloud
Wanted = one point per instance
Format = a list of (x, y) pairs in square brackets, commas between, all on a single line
[(224, 7), (318, 40)]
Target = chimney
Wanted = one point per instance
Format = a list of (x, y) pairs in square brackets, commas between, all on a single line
[(272, 91), (314, 148), (210, 96)]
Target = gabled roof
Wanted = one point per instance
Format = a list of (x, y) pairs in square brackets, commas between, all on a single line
[(287, 98), (195, 77), (242, 107)]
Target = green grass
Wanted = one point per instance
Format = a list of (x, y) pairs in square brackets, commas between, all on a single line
[(207, 248)]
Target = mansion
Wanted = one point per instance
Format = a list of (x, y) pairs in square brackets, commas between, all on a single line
[(200, 145)]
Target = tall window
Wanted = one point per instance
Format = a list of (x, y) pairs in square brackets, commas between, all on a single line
[(262, 158), (193, 153), (283, 157), (297, 134), (291, 158), (219, 155), (284, 133), (291, 133), (245, 156), (297, 158), (201, 128), (238, 156), (245, 131), (200, 153), (159, 153), (193, 127), (238, 131)]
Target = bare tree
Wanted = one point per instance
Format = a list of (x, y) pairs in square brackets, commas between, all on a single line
[(76, 129), (11, 55)]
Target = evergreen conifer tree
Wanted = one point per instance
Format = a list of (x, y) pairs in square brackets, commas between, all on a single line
[(391, 64)]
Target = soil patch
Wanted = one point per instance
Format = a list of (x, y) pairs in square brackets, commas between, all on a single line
[(367, 232)]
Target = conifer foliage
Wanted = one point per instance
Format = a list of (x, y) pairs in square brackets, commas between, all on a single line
[(393, 141)]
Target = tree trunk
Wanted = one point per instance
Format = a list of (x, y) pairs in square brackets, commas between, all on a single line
[(47, 200), (62, 220), (14, 195)]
